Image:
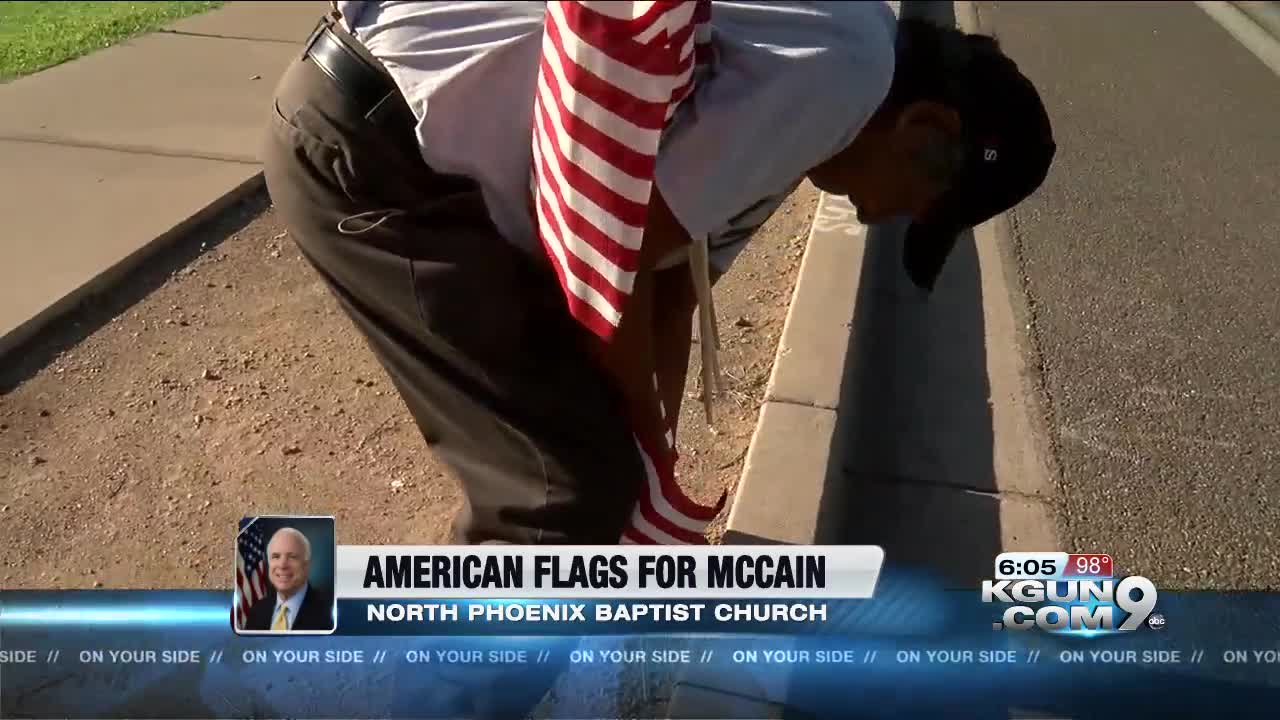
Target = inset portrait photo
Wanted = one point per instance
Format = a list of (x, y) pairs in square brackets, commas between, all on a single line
[(284, 576)]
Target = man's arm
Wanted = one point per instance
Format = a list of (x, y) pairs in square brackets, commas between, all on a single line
[(631, 356), (316, 612)]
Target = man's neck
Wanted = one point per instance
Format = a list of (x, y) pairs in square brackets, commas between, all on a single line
[(286, 597), (845, 173)]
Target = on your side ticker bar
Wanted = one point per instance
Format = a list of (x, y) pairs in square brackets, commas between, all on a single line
[(419, 631)]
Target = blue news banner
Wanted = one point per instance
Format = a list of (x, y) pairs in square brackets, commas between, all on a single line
[(912, 651)]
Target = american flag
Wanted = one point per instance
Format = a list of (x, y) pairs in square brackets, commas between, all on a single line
[(611, 77), (251, 570)]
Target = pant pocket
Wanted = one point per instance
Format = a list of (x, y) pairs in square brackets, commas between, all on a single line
[(472, 293)]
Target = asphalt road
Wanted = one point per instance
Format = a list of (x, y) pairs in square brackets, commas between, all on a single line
[(1150, 263)]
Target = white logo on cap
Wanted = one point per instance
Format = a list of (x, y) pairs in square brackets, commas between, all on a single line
[(989, 155)]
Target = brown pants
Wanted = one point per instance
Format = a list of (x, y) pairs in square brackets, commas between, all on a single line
[(472, 331)]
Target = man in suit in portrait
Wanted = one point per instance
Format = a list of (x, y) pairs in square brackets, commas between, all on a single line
[(293, 603)]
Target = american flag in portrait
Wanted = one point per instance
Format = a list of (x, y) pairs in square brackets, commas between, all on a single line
[(251, 569)]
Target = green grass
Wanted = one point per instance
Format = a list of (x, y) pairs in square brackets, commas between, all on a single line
[(37, 35)]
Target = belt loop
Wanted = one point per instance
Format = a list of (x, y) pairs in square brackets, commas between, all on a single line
[(325, 23), (338, 19)]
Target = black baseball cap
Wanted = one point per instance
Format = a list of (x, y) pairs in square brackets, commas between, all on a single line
[(1008, 148)]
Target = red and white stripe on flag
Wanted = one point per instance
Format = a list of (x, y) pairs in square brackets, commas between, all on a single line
[(251, 586), (611, 76), (664, 514)]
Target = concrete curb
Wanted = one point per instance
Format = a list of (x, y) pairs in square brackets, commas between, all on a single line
[(1256, 25), (111, 276), (795, 438), (1265, 13), (795, 434)]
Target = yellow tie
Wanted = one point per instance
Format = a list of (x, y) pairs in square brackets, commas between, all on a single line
[(282, 621)]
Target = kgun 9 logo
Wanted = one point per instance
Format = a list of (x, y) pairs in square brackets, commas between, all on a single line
[(1078, 606)]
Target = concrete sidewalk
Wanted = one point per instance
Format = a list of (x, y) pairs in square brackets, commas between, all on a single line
[(122, 149)]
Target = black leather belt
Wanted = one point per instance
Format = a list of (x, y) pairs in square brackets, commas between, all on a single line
[(370, 88)]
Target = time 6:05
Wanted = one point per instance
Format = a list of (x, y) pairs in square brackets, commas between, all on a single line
[(1029, 567), (1041, 565)]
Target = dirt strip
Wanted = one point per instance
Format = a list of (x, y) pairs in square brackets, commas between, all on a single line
[(231, 384)]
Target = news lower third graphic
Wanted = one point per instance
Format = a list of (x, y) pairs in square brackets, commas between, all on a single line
[(1073, 594), (831, 624)]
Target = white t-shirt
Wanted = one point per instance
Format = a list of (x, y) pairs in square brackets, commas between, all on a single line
[(791, 84)]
